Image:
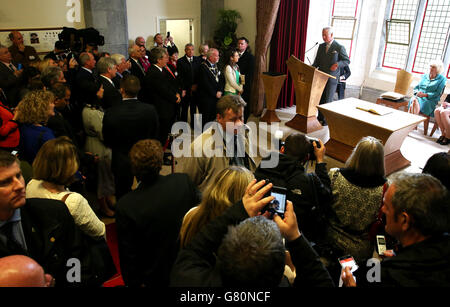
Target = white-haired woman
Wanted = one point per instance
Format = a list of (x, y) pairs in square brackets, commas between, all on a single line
[(429, 90)]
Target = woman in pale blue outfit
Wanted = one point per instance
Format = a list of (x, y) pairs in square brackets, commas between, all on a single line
[(428, 92)]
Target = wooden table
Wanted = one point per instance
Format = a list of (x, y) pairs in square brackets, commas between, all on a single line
[(348, 125)]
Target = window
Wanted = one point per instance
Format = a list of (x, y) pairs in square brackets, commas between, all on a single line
[(344, 22), (417, 31)]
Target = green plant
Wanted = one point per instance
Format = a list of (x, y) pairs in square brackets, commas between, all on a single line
[(225, 34)]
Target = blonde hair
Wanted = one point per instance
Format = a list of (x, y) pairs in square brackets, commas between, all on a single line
[(44, 64), (227, 188), (34, 107), (367, 158), (56, 162)]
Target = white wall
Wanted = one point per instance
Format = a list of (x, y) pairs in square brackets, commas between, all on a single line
[(19, 14), (143, 17), (247, 27)]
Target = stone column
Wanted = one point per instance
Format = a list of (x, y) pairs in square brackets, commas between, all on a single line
[(210, 8), (109, 17)]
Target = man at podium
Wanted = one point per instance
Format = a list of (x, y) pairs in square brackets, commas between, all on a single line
[(330, 58)]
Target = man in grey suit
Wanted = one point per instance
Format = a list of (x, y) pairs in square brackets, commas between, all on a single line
[(330, 58)]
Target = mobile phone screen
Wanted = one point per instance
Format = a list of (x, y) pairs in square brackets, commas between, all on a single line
[(348, 261), (279, 203)]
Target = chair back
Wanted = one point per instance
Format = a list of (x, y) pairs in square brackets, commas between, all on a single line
[(403, 82)]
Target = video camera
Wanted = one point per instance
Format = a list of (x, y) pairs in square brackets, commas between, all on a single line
[(76, 40)]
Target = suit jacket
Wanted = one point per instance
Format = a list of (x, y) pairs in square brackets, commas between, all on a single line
[(116, 80), (159, 222), (247, 67), (29, 55), (137, 70), (51, 236), (336, 54), (161, 92), (10, 85), (86, 87), (111, 95), (187, 72), (127, 123)]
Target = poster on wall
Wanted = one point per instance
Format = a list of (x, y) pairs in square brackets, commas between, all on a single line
[(43, 40)]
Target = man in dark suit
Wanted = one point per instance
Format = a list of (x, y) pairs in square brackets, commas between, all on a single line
[(136, 68), (188, 67), (247, 66), (9, 77), (344, 74), (41, 229), (111, 96), (331, 56), (149, 218), (123, 126), (160, 91), (210, 86), (123, 68), (22, 54)]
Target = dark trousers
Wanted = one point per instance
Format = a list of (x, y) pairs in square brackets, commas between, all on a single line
[(123, 176), (208, 110), (340, 89), (327, 96)]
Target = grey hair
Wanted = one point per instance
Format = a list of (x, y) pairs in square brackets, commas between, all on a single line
[(330, 29), (118, 58), (201, 47), (252, 254), (210, 52), (233, 102), (156, 54), (367, 158), (188, 45), (104, 64), (84, 57), (131, 49), (423, 198), (438, 64), (51, 75)]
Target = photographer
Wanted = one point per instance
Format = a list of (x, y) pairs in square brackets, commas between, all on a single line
[(306, 191)]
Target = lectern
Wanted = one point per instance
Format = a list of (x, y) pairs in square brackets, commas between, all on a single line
[(273, 82), (309, 84)]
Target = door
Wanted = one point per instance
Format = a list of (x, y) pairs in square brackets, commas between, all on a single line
[(180, 29)]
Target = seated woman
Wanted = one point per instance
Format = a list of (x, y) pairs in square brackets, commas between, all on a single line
[(54, 168), (357, 191), (428, 92), (442, 117), (9, 129), (227, 189), (233, 76), (33, 113)]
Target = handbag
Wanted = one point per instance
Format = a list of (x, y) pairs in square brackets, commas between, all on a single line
[(377, 227), (97, 265)]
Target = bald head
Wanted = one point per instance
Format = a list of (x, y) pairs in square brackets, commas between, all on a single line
[(22, 271)]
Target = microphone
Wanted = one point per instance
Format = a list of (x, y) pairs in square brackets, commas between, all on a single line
[(311, 47)]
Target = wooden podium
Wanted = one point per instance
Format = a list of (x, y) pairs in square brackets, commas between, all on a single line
[(309, 84), (273, 82)]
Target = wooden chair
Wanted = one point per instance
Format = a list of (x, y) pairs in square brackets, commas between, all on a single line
[(402, 83)]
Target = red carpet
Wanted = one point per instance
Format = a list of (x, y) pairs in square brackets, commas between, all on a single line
[(111, 238)]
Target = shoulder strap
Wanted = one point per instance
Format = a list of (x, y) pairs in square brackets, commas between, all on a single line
[(65, 197)]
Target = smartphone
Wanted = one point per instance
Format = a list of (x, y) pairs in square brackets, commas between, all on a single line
[(381, 245), (278, 205), (168, 34), (348, 261), (19, 66)]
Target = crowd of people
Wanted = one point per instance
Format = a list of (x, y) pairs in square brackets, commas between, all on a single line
[(98, 122)]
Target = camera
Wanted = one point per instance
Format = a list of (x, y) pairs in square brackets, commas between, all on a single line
[(312, 155)]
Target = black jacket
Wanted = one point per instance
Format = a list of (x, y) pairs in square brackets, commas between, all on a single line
[(148, 223), (85, 88), (247, 67), (51, 236), (187, 72), (196, 264), (111, 94), (10, 85), (304, 190)]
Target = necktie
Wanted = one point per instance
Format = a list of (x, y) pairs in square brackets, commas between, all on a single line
[(11, 243), (328, 47), (11, 66)]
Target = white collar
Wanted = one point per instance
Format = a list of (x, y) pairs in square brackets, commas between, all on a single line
[(87, 69), (160, 69), (110, 81)]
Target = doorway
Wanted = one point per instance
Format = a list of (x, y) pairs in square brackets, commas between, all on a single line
[(182, 31)]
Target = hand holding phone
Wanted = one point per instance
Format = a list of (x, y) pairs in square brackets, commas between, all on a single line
[(288, 226), (348, 261)]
